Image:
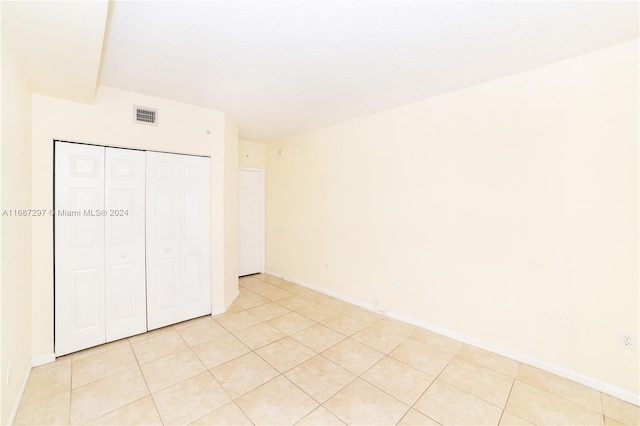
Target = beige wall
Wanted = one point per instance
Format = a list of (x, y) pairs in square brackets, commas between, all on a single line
[(15, 278), (182, 128), (507, 213), (252, 154), (231, 213), (58, 44)]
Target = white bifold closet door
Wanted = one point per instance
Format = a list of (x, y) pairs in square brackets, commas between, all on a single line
[(125, 280), (250, 221), (178, 230), (79, 247), (99, 245)]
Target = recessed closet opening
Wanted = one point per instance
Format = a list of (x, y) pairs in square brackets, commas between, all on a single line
[(131, 242)]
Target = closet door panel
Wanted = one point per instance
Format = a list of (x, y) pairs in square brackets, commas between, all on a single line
[(164, 271), (125, 285), (195, 236), (79, 247)]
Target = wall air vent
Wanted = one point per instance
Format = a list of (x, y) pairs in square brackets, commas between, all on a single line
[(145, 115)]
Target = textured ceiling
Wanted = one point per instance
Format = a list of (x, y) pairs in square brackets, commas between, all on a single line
[(284, 67)]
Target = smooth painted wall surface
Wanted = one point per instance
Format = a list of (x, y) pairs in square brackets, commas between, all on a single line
[(58, 44), (506, 212), (231, 213), (182, 128), (252, 154), (15, 278)]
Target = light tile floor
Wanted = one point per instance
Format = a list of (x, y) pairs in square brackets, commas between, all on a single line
[(284, 354)]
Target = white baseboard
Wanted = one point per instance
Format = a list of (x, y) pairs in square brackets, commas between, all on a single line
[(223, 309), (328, 292), (16, 404), (233, 299), (526, 359), (35, 362), (218, 311), (42, 360)]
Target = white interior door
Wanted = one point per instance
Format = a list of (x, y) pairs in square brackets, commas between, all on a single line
[(163, 240), (79, 247), (178, 233), (195, 236), (250, 221), (125, 285)]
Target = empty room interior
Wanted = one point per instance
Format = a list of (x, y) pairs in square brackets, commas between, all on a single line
[(320, 212)]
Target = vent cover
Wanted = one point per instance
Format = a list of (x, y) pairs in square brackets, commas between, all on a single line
[(145, 115)]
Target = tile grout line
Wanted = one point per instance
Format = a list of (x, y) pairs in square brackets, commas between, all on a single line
[(152, 360), (315, 302), (475, 363), (431, 384), (506, 402), (481, 398), (283, 373), (350, 336), (131, 402), (604, 419), (233, 400), (561, 396), (382, 390), (488, 368), (551, 393), (146, 383), (280, 374), (356, 376), (72, 362), (119, 408), (207, 370)]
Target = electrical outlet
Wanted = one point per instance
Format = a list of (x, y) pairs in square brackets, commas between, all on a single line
[(395, 284), (627, 341), (326, 267)]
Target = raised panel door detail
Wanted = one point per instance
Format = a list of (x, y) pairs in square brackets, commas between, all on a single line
[(162, 239), (166, 215), (123, 169), (192, 214), (86, 223), (125, 277), (165, 169), (86, 286), (194, 172), (195, 242), (178, 248), (79, 247), (123, 290), (144, 267), (168, 292), (85, 165), (123, 227), (193, 278)]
